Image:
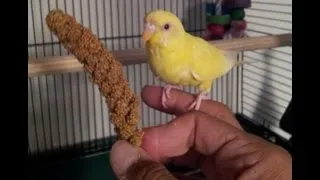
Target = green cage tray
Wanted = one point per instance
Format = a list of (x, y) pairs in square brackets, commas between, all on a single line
[(93, 167)]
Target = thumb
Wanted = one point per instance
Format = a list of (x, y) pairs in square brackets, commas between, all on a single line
[(129, 162)]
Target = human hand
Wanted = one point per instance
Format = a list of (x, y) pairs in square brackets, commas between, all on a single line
[(210, 139)]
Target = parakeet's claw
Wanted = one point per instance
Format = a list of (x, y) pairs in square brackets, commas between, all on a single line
[(206, 97), (166, 93), (164, 99), (197, 102), (168, 89)]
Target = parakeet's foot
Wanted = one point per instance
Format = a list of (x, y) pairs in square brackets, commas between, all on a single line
[(166, 93), (197, 102), (206, 96)]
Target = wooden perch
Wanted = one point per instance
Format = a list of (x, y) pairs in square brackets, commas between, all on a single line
[(63, 64)]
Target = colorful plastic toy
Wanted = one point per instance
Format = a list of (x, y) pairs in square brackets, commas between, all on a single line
[(237, 14), (226, 18), (237, 28), (217, 30)]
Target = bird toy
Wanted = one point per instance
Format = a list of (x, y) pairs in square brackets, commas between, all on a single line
[(226, 19)]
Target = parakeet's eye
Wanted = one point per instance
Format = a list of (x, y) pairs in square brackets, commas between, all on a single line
[(166, 26)]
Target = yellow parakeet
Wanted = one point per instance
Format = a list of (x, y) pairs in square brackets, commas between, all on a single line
[(178, 58)]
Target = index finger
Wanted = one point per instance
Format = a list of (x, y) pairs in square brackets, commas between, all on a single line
[(180, 101)]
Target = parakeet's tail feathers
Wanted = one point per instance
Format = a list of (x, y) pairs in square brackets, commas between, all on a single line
[(232, 56), (232, 59)]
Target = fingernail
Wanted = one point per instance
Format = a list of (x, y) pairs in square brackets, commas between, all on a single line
[(122, 156)]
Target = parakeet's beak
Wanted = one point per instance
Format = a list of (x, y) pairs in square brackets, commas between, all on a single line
[(146, 35), (147, 32)]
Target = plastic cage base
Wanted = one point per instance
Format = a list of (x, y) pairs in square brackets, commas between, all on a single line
[(96, 165)]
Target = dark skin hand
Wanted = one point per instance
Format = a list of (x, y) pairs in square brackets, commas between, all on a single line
[(210, 139)]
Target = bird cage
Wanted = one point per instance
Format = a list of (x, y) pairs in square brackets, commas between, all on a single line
[(69, 127)]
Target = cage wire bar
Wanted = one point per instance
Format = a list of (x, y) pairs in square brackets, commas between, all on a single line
[(267, 86), (67, 111)]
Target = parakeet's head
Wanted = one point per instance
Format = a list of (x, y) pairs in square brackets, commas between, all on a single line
[(161, 27)]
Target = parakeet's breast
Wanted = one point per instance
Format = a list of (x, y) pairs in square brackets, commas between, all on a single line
[(172, 67)]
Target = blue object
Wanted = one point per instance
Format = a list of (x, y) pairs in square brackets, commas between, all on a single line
[(225, 10), (210, 8)]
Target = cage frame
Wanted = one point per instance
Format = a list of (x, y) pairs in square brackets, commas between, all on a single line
[(64, 64)]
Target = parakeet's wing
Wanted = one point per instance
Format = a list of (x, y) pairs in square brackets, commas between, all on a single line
[(208, 62)]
